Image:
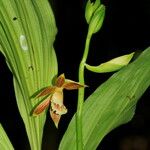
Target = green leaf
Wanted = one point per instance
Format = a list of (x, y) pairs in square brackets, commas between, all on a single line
[(5, 143), (112, 65), (112, 104), (28, 30)]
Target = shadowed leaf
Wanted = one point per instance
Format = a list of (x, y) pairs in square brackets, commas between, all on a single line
[(5, 143)]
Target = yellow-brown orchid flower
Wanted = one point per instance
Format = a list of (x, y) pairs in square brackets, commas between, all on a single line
[(54, 98)]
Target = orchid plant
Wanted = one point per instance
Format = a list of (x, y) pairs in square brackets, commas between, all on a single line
[(27, 34)]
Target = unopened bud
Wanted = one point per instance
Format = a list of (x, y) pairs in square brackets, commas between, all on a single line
[(90, 9), (97, 20)]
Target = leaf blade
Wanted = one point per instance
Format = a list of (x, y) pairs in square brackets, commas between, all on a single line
[(112, 104), (112, 65), (32, 61), (5, 143)]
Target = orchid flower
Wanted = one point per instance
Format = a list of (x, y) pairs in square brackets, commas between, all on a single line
[(54, 98)]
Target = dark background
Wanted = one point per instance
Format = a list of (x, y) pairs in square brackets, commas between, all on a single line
[(126, 29)]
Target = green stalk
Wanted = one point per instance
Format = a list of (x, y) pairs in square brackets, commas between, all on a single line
[(79, 138)]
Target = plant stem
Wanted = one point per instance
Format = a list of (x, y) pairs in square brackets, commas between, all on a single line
[(79, 137)]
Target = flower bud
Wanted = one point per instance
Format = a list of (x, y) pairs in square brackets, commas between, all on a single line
[(90, 9), (97, 19)]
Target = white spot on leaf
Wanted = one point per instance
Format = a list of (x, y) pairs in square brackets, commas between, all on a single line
[(23, 43)]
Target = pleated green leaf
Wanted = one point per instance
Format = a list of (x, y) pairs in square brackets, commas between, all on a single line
[(112, 104), (5, 143), (27, 33)]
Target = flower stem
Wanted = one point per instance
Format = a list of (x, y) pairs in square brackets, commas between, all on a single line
[(79, 137)]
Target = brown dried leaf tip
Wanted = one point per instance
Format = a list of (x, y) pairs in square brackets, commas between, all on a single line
[(54, 98)]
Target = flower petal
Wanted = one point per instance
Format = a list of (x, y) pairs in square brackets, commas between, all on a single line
[(46, 91), (57, 97), (72, 85), (60, 80), (58, 109), (41, 107), (55, 117)]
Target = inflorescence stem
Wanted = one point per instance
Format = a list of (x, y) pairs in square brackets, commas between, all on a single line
[(79, 137)]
